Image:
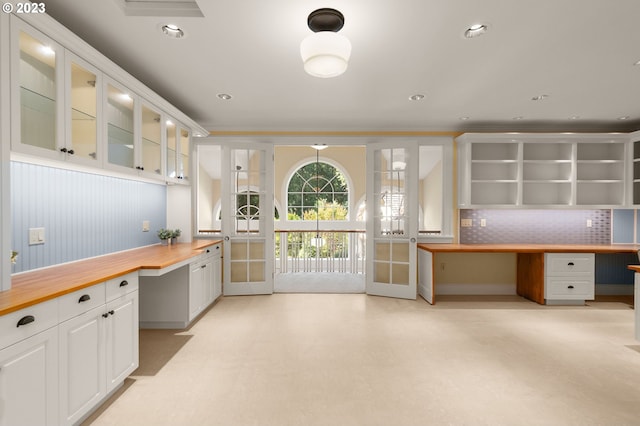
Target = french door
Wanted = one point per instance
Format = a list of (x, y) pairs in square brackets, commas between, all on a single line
[(247, 218), (392, 221)]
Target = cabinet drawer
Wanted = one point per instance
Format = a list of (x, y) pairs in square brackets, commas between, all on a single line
[(79, 302), (121, 285), (569, 264), (569, 289), (213, 251), (35, 319)]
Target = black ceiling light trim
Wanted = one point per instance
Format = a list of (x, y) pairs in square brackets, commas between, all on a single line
[(325, 19)]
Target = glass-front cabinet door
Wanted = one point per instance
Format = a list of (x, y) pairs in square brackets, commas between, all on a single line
[(83, 95), (151, 148), (184, 154), (393, 225), (37, 93), (120, 107), (171, 129)]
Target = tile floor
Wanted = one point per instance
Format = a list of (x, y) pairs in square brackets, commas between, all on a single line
[(352, 359)]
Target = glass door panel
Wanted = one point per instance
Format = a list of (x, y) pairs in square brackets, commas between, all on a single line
[(38, 82), (393, 227), (120, 140), (84, 112), (171, 148), (185, 142), (151, 141)]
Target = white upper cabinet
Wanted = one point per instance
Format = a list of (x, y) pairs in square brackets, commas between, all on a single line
[(37, 62), (542, 170), (120, 132), (70, 103), (83, 111), (178, 153)]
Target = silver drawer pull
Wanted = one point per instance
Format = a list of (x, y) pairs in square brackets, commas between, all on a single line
[(26, 320)]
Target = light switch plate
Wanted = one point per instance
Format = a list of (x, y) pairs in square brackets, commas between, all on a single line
[(145, 226), (36, 236)]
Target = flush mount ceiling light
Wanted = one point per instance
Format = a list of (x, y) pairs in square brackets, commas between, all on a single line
[(416, 97), (319, 146), (325, 53), (475, 30), (172, 30), (224, 96)]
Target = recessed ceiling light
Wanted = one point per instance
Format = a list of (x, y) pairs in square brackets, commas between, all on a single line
[(574, 117), (464, 118), (636, 62), (172, 30), (416, 97), (224, 96), (518, 118), (539, 97), (475, 30), (625, 117)]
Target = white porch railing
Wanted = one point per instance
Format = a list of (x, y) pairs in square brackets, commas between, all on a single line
[(324, 251)]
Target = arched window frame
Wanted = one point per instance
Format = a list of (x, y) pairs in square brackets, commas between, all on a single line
[(311, 160)]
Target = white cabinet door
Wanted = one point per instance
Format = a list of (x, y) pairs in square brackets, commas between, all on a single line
[(216, 274), (29, 381), (207, 281), (196, 289), (82, 366), (121, 339)]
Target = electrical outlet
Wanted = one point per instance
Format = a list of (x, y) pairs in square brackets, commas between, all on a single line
[(483, 222), (589, 223), (466, 223)]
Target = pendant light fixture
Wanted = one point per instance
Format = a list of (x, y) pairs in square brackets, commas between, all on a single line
[(325, 53)]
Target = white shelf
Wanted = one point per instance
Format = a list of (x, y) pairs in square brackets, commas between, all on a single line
[(556, 170)]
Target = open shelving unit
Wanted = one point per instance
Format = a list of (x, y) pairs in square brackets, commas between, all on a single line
[(544, 170)]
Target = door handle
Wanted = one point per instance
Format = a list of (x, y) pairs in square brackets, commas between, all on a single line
[(226, 238), (413, 240)]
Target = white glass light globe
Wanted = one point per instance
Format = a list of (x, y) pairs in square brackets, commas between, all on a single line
[(325, 54)]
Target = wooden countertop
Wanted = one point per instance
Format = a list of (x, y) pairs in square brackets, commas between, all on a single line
[(30, 288), (529, 248)]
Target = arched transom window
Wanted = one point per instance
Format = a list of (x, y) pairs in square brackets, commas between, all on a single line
[(318, 191)]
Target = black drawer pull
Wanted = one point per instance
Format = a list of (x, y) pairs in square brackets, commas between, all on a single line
[(124, 283), (203, 266), (569, 286), (84, 298), (26, 320), (208, 251), (105, 315), (570, 264), (111, 312)]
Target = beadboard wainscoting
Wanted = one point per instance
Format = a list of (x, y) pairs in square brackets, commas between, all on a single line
[(83, 214)]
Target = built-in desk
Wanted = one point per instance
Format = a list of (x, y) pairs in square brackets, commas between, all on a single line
[(33, 287), (530, 263)]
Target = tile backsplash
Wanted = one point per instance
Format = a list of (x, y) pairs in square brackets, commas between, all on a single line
[(536, 226)]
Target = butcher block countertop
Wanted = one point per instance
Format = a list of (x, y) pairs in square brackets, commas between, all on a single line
[(30, 288), (529, 248)]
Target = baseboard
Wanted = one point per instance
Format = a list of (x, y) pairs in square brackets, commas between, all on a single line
[(476, 289), (614, 289), (171, 325)]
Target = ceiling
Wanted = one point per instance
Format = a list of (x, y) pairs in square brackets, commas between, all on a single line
[(581, 53)]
